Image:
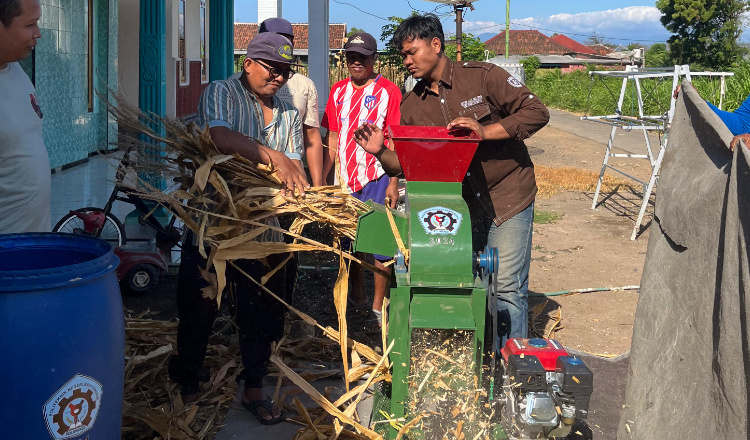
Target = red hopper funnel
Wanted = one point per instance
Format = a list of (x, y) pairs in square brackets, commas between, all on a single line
[(433, 154)]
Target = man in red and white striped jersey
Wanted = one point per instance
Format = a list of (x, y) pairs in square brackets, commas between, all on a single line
[(364, 97)]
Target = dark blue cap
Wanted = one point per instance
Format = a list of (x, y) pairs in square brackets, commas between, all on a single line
[(270, 47), (276, 25)]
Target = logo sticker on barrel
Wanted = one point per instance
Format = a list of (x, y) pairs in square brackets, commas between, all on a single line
[(73, 409), (440, 221)]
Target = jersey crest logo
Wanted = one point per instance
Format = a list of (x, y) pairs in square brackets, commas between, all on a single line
[(440, 221), (514, 82), (370, 102)]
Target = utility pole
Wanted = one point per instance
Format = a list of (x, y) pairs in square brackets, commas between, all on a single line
[(459, 20), (459, 7), (507, 28)]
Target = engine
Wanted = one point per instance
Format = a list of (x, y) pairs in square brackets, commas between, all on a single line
[(545, 389)]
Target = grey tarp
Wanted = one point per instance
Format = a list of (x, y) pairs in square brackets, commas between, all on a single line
[(690, 356)]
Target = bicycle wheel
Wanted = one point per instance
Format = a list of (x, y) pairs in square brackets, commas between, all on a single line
[(113, 231)]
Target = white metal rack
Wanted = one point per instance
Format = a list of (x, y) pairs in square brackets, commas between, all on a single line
[(633, 75)]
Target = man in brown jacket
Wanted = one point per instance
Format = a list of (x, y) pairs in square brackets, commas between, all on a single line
[(499, 187)]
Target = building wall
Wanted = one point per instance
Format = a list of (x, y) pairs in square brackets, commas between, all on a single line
[(72, 132), (268, 9), (129, 47), (182, 97)]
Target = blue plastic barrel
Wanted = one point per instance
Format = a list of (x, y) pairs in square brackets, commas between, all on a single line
[(62, 338)]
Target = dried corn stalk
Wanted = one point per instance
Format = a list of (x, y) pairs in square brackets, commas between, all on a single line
[(228, 201)]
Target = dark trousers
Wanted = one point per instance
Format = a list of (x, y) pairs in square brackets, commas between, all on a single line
[(260, 318)]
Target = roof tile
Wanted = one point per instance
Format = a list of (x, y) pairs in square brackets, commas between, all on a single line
[(572, 44), (525, 42), (244, 32)]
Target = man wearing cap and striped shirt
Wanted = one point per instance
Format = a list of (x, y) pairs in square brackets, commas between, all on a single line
[(244, 117)]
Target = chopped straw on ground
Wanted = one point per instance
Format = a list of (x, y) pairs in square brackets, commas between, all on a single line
[(551, 181)]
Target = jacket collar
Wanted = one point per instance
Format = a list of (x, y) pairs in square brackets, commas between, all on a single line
[(446, 77)]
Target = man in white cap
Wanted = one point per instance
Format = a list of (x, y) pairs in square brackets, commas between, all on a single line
[(300, 91)]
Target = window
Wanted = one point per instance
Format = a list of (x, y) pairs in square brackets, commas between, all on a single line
[(182, 48), (204, 73), (89, 18)]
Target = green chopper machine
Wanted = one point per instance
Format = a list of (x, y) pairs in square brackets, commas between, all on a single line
[(443, 287)]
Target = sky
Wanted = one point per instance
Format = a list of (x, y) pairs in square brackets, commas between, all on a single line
[(618, 22)]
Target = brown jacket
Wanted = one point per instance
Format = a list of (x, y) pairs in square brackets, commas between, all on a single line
[(501, 176)]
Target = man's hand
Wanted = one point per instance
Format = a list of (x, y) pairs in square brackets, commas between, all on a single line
[(467, 123), (289, 174), (391, 193), (370, 137), (742, 137)]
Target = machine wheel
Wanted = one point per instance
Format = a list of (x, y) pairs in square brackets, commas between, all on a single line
[(113, 231), (142, 278)]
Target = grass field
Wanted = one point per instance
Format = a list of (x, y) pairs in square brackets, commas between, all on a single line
[(578, 93)]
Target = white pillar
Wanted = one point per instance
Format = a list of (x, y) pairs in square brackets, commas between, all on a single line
[(268, 9), (318, 61)]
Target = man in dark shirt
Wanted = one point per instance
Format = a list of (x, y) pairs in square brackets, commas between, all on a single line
[(499, 187)]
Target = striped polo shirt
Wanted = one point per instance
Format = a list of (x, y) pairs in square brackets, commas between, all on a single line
[(227, 103), (349, 107)]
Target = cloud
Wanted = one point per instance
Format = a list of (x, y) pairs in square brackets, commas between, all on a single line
[(622, 25)]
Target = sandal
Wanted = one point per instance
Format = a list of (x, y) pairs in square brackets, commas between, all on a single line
[(267, 404)]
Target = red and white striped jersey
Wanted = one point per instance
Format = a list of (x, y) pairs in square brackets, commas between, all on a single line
[(347, 108)]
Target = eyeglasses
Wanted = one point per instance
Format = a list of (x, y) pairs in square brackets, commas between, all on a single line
[(274, 72)]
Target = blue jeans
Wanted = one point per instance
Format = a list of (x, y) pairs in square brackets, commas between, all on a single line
[(513, 242)]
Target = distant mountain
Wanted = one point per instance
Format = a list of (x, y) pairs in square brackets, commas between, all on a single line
[(485, 36)]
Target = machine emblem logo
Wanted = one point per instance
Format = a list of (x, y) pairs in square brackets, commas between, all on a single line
[(440, 221), (73, 409)]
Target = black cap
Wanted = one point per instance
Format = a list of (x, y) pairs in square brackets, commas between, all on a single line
[(270, 47), (361, 42), (276, 25)]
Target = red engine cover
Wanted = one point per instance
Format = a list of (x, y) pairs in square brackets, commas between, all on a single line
[(546, 350)]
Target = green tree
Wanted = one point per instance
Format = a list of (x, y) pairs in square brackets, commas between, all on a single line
[(657, 56), (705, 32), (632, 46), (354, 30), (392, 55), (472, 49), (530, 65)]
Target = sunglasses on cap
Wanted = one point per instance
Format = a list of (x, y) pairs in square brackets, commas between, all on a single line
[(274, 72)]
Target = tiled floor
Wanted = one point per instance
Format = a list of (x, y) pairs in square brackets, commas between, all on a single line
[(89, 185), (86, 185)]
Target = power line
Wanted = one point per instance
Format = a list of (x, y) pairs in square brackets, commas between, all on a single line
[(415, 9), (360, 10)]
